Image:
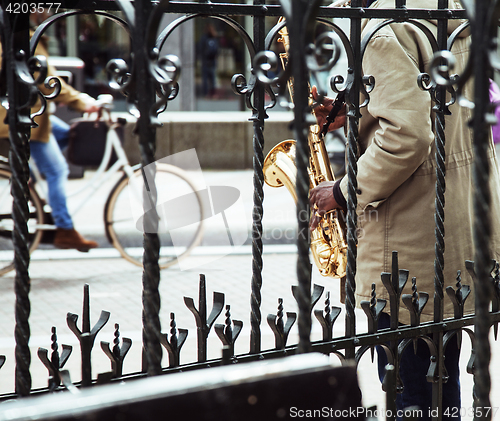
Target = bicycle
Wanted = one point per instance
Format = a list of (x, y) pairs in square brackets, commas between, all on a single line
[(122, 210)]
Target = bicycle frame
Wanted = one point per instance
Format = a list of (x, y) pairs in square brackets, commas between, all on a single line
[(102, 174)]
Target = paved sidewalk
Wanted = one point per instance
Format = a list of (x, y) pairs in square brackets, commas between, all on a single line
[(115, 286), (58, 278)]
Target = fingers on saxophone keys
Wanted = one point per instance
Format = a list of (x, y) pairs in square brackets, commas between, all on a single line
[(318, 212), (315, 218), (313, 223)]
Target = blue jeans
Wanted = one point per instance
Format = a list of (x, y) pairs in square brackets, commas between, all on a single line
[(60, 129), (413, 369), (52, 165)]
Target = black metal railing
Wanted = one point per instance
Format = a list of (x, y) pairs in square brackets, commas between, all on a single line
[(148, 75)]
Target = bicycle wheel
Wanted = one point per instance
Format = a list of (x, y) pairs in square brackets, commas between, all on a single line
[(7, 224), (177, 197)]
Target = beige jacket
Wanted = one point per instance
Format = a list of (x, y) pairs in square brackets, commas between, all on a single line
[(396, 169), (69, 96)]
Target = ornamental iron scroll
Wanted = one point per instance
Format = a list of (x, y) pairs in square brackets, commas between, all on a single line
[(239, 82), (321, 56), (164, 70), (38, 63)]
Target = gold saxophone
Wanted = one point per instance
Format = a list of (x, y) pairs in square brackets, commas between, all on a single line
[(328, 246)]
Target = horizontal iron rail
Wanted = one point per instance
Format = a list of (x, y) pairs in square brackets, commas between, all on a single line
[(338, 344), (276, 10)]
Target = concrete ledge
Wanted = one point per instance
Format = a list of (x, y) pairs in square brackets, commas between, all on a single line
[(223, 140)]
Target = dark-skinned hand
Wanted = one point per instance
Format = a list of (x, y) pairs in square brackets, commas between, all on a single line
[(321, 112), (321, 201)]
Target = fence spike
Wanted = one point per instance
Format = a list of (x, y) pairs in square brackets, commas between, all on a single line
[(228, 333), (174, 345), (328, 319), (202, 323), (86, 336), (56, 361), (280, 329), (117, 354)]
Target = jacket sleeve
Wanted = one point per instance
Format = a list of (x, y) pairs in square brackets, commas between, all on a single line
[(404, 137)]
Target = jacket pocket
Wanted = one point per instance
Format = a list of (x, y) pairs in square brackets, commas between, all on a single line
[(370, 205)]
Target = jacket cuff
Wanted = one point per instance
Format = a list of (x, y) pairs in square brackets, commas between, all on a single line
[(338, 196)]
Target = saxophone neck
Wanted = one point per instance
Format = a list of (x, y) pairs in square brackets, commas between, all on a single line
[(319, 161), (319, 168), (284, 37), (285, 40)]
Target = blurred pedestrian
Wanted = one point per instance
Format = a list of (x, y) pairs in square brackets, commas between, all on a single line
[(50, 161), (60, 130), (209, 50)]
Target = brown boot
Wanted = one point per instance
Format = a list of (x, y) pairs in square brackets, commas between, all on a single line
[(72, 239)]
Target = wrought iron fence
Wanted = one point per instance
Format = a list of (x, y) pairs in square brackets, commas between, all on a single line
[(150, 82)]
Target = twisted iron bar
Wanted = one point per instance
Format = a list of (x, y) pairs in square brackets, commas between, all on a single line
[(352, 186), (303, 262), (147, 143), (439, 216), (353, 115), (258, 117), (439, 246), (18, 159), (257, 247), (482, 224), (19, 91), (439, 232), (301, 130)]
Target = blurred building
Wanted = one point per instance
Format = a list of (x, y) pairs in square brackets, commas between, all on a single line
[(96, 40)]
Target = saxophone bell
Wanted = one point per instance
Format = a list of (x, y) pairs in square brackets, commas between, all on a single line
[(279, 166)]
